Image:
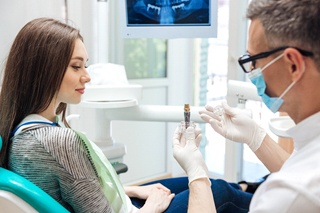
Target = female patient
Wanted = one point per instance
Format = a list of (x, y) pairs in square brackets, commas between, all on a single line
[(45, 71)]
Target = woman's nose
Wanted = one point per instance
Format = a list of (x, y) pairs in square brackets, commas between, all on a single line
[(85, 79)]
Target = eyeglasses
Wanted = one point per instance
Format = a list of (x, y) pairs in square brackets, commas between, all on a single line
[(248, 62)]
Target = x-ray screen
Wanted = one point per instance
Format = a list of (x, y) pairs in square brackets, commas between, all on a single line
[(168, 12), (168, 18)]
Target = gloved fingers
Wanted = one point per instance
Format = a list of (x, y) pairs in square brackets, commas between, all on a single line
[(177, 133), (207, 118), (176, 137), (229, 110), (190, 136), (198, 139), (190, 133), (218, 126), (209, 107), (197, 131), (193, 134), (217, 110), (198, 135), (205, 115)]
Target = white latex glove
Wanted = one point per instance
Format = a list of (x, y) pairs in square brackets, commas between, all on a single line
[(186, 152), (234, 124)]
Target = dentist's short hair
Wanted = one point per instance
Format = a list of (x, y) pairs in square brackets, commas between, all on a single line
[(289, 23)]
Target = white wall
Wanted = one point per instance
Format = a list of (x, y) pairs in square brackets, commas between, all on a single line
[(14, 14)]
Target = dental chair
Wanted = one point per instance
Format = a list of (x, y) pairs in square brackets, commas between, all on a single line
[(19, 195)]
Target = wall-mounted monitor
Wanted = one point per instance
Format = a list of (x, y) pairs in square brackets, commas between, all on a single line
[(168, 18)]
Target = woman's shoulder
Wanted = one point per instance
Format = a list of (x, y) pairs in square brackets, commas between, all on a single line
[(63, 144), (58, 148), (57, 135), (52, 138)]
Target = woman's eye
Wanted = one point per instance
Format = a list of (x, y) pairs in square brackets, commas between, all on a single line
[(76, 67)]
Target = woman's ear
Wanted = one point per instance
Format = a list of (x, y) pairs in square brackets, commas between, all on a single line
[(296, 62)]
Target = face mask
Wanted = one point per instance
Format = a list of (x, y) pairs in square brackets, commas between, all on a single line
[(256, 77)]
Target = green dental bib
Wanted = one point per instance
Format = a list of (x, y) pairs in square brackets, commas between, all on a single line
[(108, 177)]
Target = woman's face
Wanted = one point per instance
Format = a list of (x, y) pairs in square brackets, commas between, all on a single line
[(76, 76)]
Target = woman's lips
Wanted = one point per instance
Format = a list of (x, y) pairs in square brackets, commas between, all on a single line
[(81, 90)]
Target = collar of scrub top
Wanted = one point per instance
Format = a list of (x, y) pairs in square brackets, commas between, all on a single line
[(33, 120)]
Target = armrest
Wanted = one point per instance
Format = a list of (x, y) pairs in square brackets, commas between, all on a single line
[(120, 167)]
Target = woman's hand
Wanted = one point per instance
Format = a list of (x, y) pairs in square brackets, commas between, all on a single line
[(157, 196), (143, 192), (157, 201)]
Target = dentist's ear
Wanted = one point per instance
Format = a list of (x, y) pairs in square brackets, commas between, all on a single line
[(297, 63)]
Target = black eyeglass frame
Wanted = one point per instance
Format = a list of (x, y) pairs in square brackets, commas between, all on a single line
[(249, 58)]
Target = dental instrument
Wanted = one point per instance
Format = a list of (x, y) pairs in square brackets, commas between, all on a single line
[(187, 115)]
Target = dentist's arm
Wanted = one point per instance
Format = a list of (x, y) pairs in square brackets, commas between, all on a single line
[(271, 154), (187, 154), (200, 197), (235, 125)]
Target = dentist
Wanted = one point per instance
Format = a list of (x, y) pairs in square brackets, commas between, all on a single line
[(283, 62)]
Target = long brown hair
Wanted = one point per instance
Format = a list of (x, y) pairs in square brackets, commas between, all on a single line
[(34, 70)]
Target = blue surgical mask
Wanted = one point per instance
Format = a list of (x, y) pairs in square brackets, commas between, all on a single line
[(256, 77)]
